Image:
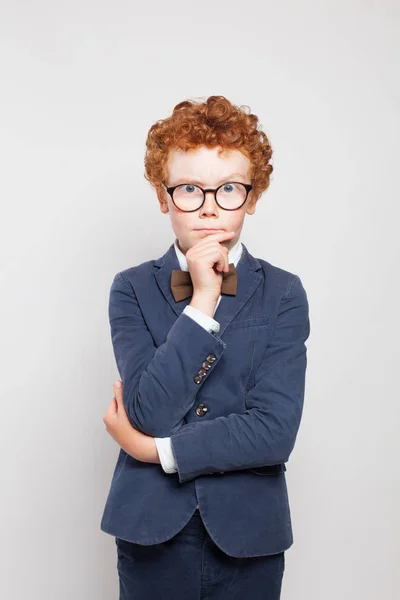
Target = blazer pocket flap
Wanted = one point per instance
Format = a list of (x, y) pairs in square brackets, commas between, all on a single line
[(269, 470), (249, 322)]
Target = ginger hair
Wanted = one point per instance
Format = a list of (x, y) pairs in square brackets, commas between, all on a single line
[(213, 122)]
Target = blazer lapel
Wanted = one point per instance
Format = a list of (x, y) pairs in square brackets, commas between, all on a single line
[(249, 278)]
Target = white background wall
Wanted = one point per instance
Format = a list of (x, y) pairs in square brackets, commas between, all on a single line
[(81, 84)]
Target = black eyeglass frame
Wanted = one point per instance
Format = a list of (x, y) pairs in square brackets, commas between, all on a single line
[(170, 191)]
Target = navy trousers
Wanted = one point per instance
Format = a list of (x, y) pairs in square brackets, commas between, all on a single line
[(190, 566)]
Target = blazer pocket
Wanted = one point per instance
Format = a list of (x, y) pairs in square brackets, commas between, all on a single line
[(249, 322), (269, 470)]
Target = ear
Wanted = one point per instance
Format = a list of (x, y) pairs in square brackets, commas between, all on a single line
[(162, 199), (251, 207)]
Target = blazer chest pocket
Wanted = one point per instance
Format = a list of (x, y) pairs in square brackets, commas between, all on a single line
[(269, 470), (246, 339), (249, 322)]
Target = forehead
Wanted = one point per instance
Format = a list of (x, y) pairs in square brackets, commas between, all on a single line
[(206, 164)]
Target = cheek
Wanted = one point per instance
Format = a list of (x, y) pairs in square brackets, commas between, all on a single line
[(180, 222), (234, 221)]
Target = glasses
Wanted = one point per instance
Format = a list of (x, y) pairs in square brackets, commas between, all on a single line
[(229, 196)]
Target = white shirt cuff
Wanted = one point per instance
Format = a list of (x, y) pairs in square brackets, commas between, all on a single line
[(202, 319), (167, 458)]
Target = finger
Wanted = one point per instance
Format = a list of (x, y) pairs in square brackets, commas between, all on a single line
[(220, 235), (111, 411), (223, 264), (213, 239), (118, 390), (218, 253), (226, 264)]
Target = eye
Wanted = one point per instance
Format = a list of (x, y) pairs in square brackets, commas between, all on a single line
[(228, 187), (190, 188)]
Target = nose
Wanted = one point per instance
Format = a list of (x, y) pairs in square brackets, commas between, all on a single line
[(210, 206)]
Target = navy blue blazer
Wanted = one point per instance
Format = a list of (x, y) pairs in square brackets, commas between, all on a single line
[(250, 376)]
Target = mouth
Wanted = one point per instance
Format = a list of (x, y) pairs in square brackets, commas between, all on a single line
[(209, 229)]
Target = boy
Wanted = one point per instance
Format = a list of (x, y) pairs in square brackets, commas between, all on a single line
[(210, 345)]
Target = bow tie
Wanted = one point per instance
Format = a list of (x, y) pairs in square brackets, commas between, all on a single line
[(182, 287)]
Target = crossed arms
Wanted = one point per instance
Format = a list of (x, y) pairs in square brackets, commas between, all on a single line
[(159, 385)]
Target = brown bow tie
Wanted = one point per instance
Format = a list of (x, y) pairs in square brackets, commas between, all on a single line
[(182, 287)]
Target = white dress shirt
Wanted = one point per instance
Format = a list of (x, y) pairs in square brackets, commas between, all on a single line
[(163, 445)]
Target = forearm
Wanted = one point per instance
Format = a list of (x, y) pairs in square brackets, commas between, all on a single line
[(147, 451), (160, 383), (159, 399), (227, 444)]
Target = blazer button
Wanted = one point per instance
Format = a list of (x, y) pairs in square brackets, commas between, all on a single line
[(211, 358), (197, 379), (202, 372), (201, 410), (206, 365)]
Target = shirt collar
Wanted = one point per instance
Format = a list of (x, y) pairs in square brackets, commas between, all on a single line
[(233, 255)]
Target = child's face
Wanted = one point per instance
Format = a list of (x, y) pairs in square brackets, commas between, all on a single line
[(205, 168)]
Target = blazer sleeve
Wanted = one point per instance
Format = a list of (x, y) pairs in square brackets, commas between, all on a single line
[(160, 384), (265, 433)]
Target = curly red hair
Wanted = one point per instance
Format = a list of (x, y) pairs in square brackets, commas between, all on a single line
[(214, 122)]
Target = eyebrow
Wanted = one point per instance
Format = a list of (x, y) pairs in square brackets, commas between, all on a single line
[(190, 180)]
